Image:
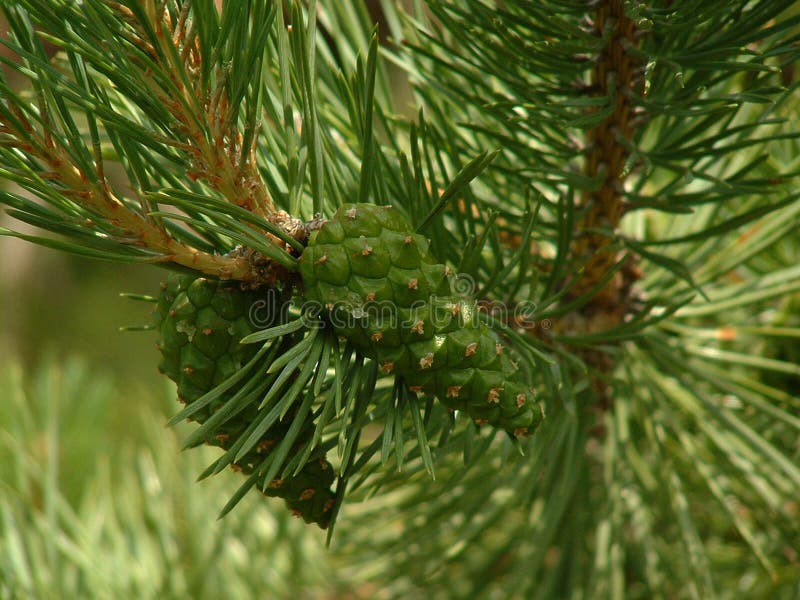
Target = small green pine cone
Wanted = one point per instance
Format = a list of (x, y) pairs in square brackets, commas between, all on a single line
[(201, 322), (386, 294)]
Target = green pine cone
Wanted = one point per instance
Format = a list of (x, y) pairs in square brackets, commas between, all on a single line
[(388, 296), (201, 322)]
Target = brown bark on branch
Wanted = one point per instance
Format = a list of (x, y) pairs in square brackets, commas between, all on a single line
[(614, 76)]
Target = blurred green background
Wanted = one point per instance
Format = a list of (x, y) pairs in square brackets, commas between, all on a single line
[(96, 498), (57, 304)]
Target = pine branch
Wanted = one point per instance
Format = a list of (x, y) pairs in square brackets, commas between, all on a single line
[(164, 104), (87, 194), (681, 438), (204, 105), (665, 464)]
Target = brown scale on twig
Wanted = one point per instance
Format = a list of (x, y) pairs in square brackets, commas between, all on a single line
[(208, 130), (213, 141)]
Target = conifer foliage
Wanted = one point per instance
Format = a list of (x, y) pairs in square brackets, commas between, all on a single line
[(603, 196)]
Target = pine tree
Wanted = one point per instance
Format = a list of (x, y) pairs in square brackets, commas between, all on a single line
[(606, 188)]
